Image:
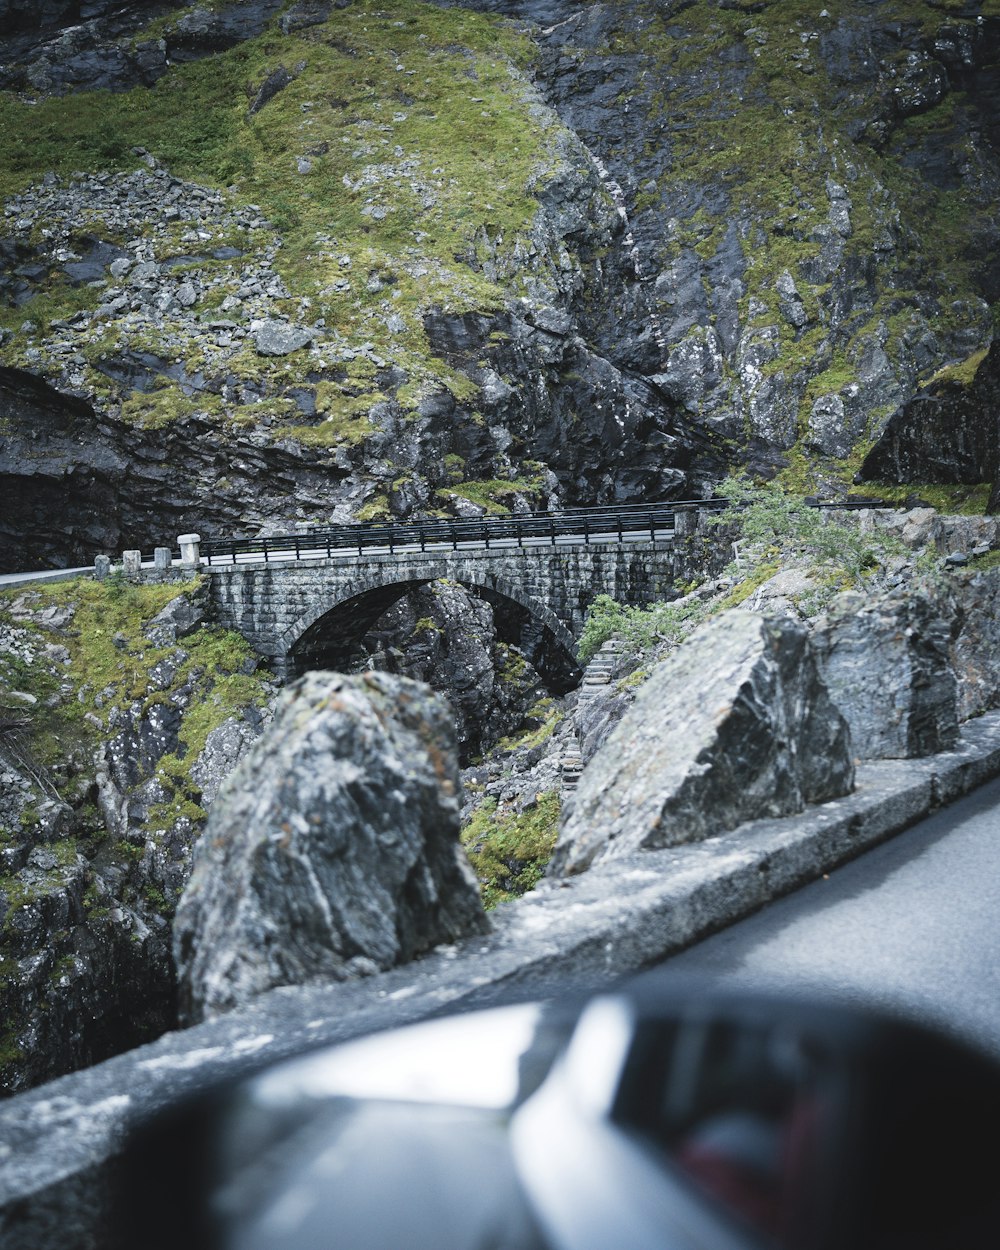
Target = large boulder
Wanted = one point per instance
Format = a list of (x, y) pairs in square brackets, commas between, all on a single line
[(734, 725), (886, 664), (333, 849)]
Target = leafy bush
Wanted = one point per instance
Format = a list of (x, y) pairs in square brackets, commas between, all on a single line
[(772, 528), (638, 629), (768, 520)]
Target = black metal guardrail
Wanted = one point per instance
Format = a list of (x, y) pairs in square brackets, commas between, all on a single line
[(610, 523)]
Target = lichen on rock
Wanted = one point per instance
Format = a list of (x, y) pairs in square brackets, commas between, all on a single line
[(735, 725), (333, 851)]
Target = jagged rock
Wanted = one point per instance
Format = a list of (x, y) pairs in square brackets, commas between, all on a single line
[(181, 616), (887, 667), (735, 725), (275, 338), (275, 82), (949, 431), (306, 13), (448, 638), (333, 850), (975, 644)]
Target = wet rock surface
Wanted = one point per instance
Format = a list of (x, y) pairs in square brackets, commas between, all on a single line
[(340, 858), (737, 724)]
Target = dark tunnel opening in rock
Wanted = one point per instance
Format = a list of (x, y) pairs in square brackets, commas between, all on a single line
[(489, 656)]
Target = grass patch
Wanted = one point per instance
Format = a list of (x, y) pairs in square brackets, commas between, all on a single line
[(398, 109), (497, 496), (508, 852), (963, 373)]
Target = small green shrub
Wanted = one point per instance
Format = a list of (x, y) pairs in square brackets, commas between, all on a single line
[(770, 521), (638, 629)]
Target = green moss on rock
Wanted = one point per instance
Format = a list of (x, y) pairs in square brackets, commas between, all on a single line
[(508, 852)]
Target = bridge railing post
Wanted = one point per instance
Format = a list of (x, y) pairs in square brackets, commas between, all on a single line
[(685, 521), (190, 545)]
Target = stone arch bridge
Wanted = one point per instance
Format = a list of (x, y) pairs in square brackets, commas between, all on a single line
[(307, 601)]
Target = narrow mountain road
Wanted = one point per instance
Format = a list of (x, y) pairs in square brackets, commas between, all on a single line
[(912, 925)]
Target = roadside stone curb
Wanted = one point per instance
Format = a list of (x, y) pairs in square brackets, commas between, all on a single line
[(58, 1142)]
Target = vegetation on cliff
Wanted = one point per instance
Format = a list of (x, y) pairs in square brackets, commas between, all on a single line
[(365, 172), (771, 530), (104, 718)]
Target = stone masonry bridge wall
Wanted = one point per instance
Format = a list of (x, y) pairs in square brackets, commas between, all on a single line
[(273, 605)]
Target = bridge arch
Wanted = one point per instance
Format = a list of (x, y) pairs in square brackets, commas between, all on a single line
[(328, 632)]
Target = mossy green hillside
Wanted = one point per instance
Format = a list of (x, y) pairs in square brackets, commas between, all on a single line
[(394, 111), (209, 677)]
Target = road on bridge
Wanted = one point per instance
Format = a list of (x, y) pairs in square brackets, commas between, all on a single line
[(912, 925)]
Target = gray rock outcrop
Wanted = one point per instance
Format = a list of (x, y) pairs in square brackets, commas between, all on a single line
[(445, 636), (735, 725), (333, 851), (975, 646), (887, 666)]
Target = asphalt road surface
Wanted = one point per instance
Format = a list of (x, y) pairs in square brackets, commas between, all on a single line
[(912, 926)]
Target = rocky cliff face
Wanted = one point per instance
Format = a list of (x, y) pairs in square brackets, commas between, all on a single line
[(446, 637), (263, 265), (378, 339), (277, 293), (120, 714)]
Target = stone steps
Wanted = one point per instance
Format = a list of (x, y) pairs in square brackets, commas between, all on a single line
[(596, 676)]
